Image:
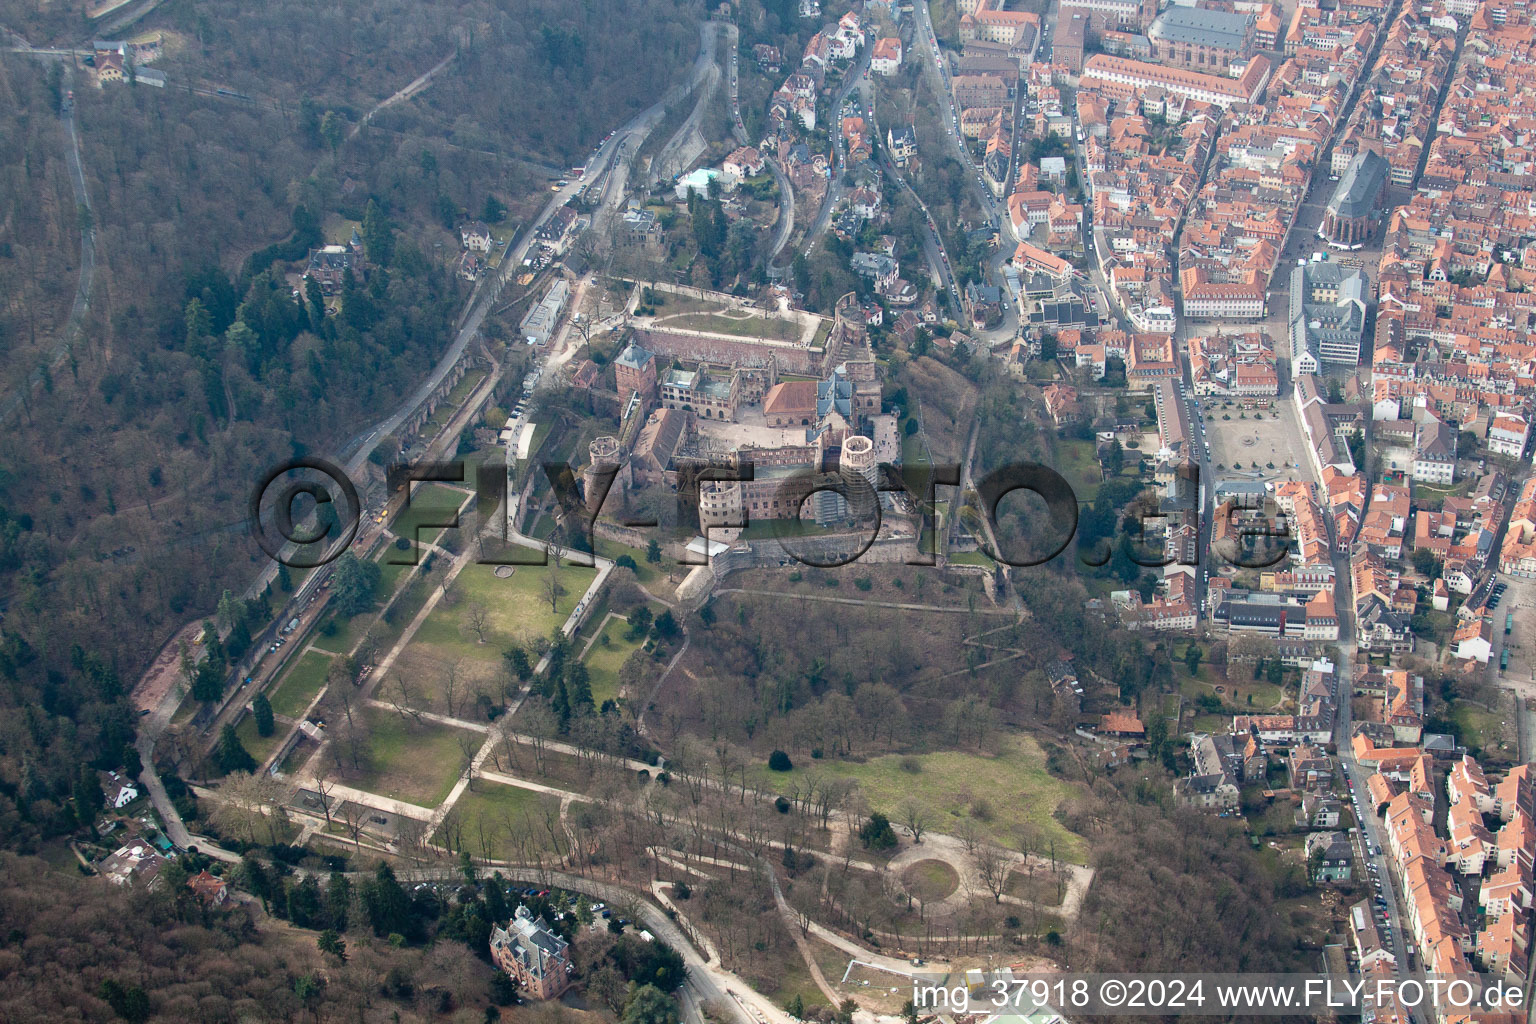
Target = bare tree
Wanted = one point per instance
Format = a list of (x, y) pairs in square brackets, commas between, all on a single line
[(552, 587), (469, 746), (403, 698), (539, 724), (354, 816), (411, 836), (451, 686), (915, 819), (324, 784), (992, 866), (968, 835), (477, 619)]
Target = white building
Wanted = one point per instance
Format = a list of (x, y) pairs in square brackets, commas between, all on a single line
[(539, 325), (1508, 434)]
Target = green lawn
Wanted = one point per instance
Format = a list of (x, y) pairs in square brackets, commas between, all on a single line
[(300, 683), (415, 763), (512, 819), (604, 661), (1015, 786), (430, 503), (771, 328), (645, 572), (260, 747), (669, 303), (339, 635), (913, 452), (391, 571), (1478, 728), (411, 600), (516, 608), (930, 880), (972, 558), (1077, 462)]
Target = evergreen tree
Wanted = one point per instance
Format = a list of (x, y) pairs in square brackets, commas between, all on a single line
[(562, 705), (256, 878), (332, 944), (208, 682), (261, 711), (518, 663), (230, 754), (580, 690), (648, 1004), (387, 906), (378, 239), (305, 905), (338, 901)]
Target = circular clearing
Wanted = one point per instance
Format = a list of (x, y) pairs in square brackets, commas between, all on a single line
[(504, 572), (930, 880)]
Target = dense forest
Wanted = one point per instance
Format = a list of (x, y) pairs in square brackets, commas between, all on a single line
[(359, 947), (201, 360)]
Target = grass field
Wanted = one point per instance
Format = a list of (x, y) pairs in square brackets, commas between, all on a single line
[(771, 328), (645, 572), (1480, 730), (415, 763), (430, 503), (605, 660), (1076, 461), (505, 814), (344, 633), (260, 747), (516, 608), (1015, 786), (299, 684), (930, 880)]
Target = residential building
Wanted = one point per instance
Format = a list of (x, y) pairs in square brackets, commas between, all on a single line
[(1330, 857), (476, 237), (136, 863), (885, 58), (531, 952), (118, 790)]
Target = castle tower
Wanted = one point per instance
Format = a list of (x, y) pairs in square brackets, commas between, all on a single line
[(603, 455)]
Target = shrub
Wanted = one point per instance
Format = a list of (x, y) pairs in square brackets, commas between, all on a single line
[(778, 761), (911, 764), (876, 833)]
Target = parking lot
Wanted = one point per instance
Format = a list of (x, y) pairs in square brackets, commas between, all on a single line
[(1520, 599)]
